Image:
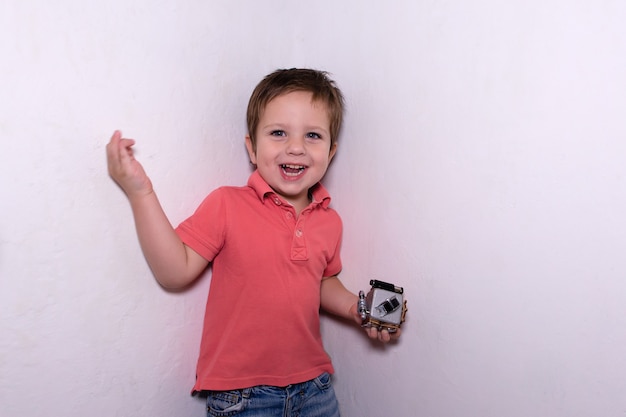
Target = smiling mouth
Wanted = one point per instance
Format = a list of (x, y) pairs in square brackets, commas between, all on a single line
[(292, 170)]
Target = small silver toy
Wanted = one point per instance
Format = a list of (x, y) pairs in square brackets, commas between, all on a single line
[(383, 307)]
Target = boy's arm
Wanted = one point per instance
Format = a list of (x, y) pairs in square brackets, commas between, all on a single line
[(336, 299), (173, 264)]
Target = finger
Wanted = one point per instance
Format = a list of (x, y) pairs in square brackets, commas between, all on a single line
[(117, 135), (119, 155), (372, 332), (125, 150), (395, 335), (113, 145), (117, 147), (384, 336)]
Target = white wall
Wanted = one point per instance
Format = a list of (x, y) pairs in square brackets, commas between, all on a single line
[(480, 167), (483, 169)]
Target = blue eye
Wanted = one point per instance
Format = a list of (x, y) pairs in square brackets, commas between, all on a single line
[(313, 135), (278, 133)]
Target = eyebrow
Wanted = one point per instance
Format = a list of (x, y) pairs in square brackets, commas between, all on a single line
[(285, 126)]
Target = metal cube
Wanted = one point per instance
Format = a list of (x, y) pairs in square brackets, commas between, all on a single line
[(383, 306)]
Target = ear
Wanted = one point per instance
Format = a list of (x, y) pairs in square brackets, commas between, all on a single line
[(333, 151), (251, 151)]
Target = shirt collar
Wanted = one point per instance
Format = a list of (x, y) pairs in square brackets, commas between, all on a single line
[(263, 190)]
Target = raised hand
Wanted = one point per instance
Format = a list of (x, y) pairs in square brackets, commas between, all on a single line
[(125, 169)]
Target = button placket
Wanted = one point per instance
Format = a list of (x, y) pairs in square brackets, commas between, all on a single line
[(298, 245)]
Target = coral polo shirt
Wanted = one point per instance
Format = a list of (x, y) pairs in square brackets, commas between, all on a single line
[(261, 325)]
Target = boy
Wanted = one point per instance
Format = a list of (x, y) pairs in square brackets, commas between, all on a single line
[(274, 248)]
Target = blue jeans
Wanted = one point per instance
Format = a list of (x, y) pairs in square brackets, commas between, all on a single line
[(315, 398)]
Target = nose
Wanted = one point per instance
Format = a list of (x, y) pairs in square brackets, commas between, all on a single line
[(295, 146)]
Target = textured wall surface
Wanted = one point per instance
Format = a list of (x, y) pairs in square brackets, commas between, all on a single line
[(480, 167)]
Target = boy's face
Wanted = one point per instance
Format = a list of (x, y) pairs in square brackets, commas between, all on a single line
[(293, 147)]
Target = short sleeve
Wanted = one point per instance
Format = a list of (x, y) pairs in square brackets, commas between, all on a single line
[(334, 265), (204, 230)]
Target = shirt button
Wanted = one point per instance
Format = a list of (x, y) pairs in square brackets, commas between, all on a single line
[(277, 202), (289, 215), (299, 233)]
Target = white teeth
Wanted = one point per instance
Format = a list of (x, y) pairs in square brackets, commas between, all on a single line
[(294, 170)]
